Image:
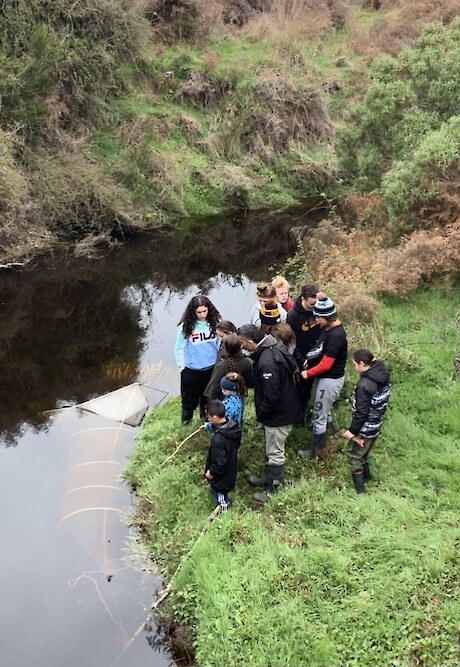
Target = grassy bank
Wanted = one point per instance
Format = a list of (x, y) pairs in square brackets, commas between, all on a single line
[(320, 576)]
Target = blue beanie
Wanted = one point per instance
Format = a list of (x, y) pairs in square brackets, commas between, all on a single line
[(228, 384), (324, 306)]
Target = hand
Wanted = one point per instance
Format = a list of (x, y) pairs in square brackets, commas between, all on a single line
[(351, 436), (208, 475), (304, 374)]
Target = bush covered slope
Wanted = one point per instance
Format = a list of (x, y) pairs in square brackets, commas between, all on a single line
[(117, 115)]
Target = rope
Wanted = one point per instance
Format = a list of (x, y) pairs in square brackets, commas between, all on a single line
[(180, 445)]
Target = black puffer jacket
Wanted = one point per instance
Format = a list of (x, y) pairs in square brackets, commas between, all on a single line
[(275, 372), (370, 401), (222, 456)]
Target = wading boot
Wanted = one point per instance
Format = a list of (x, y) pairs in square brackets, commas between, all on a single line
[(366, 472), (274, 476), (358, 481), (257, 481), (318, 443), (187, 416)]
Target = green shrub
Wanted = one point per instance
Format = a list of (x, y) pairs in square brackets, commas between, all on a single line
[(413, 181), (63, 52), (411, 96)]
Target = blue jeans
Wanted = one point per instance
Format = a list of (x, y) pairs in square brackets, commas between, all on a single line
[(220, 498)]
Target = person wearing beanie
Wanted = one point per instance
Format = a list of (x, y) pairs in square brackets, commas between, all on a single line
[(269, 316), (234, 391), (266, 293), (326, 365), (306, 329)]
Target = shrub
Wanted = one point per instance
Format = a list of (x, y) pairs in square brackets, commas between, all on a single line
[(409, 95), (412, 182), (73, 51)]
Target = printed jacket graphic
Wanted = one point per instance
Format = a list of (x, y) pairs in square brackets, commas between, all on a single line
[(370, 401), (198, 351)]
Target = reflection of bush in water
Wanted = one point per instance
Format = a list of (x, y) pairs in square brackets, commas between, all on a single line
[(61, 337), (70, 333)]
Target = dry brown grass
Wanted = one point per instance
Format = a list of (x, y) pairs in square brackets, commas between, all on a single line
[(356, 264), (396, 24), (291, 21)]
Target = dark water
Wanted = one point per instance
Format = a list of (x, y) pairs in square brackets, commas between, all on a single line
[(74, 585)]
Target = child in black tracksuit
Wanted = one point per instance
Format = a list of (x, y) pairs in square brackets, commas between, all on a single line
[(221, 461)]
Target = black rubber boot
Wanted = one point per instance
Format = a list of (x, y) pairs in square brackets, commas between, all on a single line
[(187, 416), (257, 481), (318, 443), (274, 476), (366, 472), (358, 481)]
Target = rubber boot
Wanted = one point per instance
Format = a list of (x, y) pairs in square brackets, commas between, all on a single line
[(257, 481), (366, 472), (274, 476), (358, 481), (318, 443), (187, 416)]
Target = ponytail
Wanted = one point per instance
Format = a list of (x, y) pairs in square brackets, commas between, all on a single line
[(240, 383)]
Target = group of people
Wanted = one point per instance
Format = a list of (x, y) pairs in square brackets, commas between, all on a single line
[(288, 350)]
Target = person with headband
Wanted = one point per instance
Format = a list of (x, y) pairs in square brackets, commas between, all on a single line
[(370, 401)]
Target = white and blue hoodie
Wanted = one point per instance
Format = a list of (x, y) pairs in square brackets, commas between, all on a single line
[(198, 351)]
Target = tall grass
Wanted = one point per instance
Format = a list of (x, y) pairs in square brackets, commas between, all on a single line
[(320, 576)]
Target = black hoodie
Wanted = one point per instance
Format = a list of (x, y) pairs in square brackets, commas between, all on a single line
[(304, 325), (370, 401), (222, 456)]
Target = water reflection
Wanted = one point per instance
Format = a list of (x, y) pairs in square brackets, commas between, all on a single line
[(78, 329), (71, 332)]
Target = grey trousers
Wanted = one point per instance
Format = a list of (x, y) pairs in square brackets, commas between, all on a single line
[(275, 440), (326, 392)]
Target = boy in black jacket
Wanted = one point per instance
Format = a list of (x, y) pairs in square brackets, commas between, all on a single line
[(220, 468)]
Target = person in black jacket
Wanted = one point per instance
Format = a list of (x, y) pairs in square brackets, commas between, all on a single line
[(221, 461), (370, 402), (307, 330), (276, 401)]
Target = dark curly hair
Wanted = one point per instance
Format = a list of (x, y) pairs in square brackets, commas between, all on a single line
[(188, 319)]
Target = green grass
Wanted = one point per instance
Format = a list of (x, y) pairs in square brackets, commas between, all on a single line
[(320, 576)]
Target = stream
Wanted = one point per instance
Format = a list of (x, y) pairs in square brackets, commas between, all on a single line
[(74, 581)]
